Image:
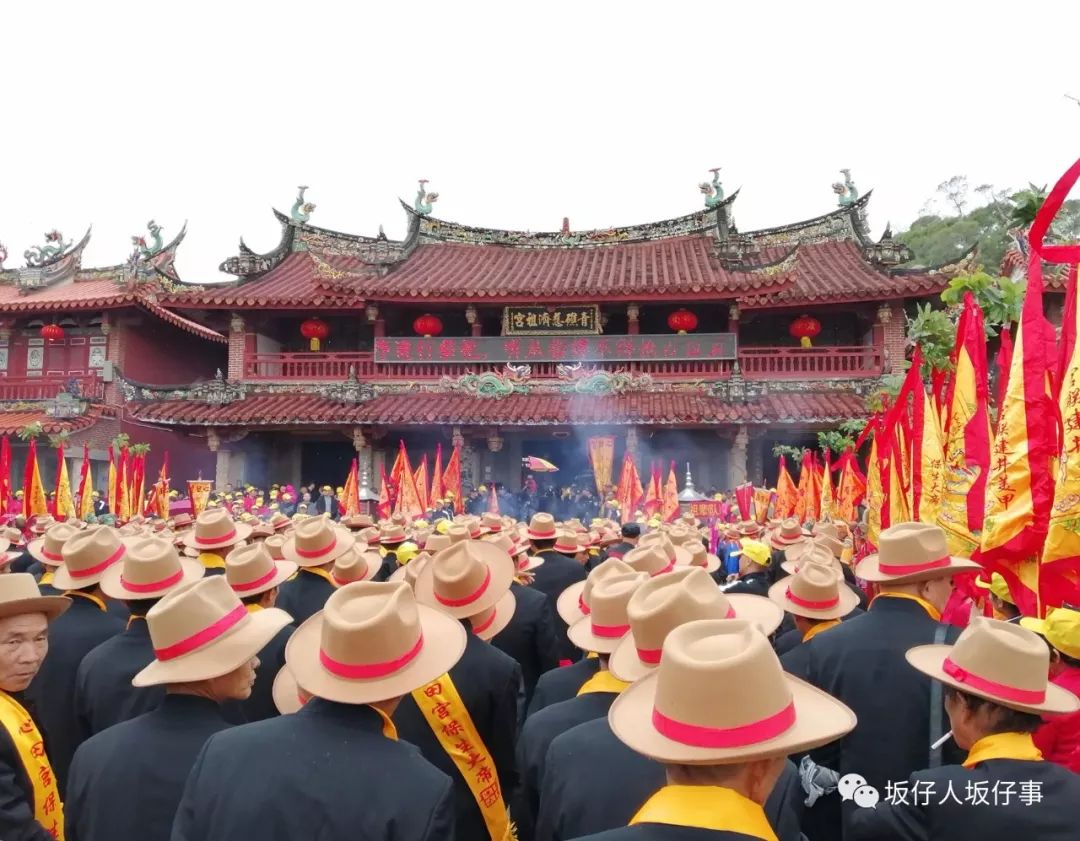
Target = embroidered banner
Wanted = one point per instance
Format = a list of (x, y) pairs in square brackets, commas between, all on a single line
[(498, 349)]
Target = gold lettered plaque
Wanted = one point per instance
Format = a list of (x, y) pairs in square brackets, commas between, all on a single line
[(580, 319)]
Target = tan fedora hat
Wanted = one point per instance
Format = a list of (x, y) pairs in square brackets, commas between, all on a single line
[(911, 552), (720, 696), (542, 527), (573, 602), (488, 623), (826, 528), (87, 555), (458, 533), (368, 535), (316, 542), (48, 548), (357, 521), (652, 559), (215, 529), (392, 534), (360, 563), (787, 535), (19, 594), (202, 631), (373, 641), (999, 661), (42, 523), (676, 554), (567, 543), (467, 579), (607, 622), (273, 545), (436, 543), (151, 568), (815, 592), (286, 692), (701, 557), (813, 554), (492, 523), (663, 603), (251, 570), (411, 571)]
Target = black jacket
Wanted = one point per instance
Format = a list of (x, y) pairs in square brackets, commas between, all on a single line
[(530, 637), (72, 635), (861, 662), (552, 577), (666, 832), (17, 821), (488, 682), (756, 584), (593, 782), (334, 507), (1004, 816), (126, 781), (326, 772), (539, 732), (561, 684), (304, 595), (260, 704), (104, 695)]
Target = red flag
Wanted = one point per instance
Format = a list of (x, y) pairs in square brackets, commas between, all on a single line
[(654, 497), (629, 492), (670, 508), (452, 480), (86, 485), (408, 501), (384, 508), (744, 495), (396, 473), (421, 479), (435, 496), (1020, 487), (493, 501), (787, 494), (1004, 360), (352, 490), (5, 476)]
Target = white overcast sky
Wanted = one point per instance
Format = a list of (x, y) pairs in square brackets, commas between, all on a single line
[(519, 113)]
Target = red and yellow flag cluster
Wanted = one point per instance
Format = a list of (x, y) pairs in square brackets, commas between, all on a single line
[(1009, 497), (409, 492)]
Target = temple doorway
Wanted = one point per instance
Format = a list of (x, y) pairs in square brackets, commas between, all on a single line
[(325, 462)]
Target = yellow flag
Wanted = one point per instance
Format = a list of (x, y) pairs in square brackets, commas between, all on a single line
[(928, 476), (875, 494), (65, 503), (826, 490)]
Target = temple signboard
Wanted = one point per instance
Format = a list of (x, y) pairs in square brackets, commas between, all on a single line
[(518, 350), (582, 319)]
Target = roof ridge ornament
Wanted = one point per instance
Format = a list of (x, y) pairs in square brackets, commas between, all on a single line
[(846, 193), (714, 192), (145, 250), (3, 255), (301, 210), (53, 249), (424, 199)]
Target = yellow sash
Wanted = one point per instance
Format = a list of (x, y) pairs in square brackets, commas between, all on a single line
[(211, 561), (46, 578), (1003, 746), (319, 572), (603, 681), (935, 614), (452, 725), (48, 810), (814, 630), (706, 807)]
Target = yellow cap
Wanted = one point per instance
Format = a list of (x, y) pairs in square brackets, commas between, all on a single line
[(406, 552), (443, 526), (997, 586), (1061, 628), (482, 489), (756, 551)]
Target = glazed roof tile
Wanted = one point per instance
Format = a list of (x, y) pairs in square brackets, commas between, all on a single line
[(517, 409), (12, 422)]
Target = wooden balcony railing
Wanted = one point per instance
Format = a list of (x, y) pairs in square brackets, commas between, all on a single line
[(754, 362), (90, 387)]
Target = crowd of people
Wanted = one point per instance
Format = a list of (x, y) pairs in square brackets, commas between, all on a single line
[(275, 674)]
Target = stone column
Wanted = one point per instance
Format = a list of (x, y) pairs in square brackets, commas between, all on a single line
[(755, 462), (238, 341), (737, 470), (222, 459), (380, 328), (632, 325)]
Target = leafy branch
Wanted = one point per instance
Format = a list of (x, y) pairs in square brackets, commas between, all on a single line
[(31, 431)]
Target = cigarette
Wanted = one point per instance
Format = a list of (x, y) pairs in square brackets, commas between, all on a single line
[(941, 741)]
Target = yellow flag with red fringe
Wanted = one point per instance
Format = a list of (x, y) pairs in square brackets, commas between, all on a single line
[(1020, 487), (875, 494), (826, 490)]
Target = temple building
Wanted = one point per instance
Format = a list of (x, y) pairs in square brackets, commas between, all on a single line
[(687, 339)]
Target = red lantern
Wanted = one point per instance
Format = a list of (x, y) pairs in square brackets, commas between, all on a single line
[(52, 332), (682, 321), (314, 330), (804, 328), (427, 325)]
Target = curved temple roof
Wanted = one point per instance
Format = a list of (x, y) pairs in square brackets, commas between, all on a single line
[(698, 255)]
